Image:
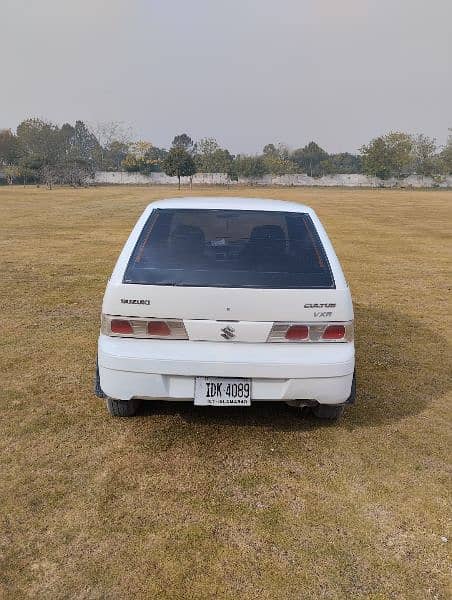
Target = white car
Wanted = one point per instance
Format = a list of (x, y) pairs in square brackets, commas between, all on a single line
[(225, 302)]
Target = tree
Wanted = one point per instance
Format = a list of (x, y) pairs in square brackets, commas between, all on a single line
[(69, 173), (276, 160), (376, 161), (152, 160), (78, 156), (220, 161), (11, 172), (206, 146), (113, 155), (85, 146), (135, 159), (9, 149), (278, 166), (309, 159), (399, 147), (49, 174), (108, 133), (424, 155), (56, 155), (183, 141), (144, 157), (232, 172), (30, 168), (179, 163), (251, 167), (139, 148), (66, 141), (155, 156), (280, 151), (388, 156), (210, 158), (445, 156), (344, 162), (73, 174), (130, 163), (269, 150), (39, 140)]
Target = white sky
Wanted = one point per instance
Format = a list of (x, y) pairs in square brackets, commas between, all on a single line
[(247, 72)]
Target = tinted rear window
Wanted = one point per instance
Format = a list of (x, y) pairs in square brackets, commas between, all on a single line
[(229, 248)]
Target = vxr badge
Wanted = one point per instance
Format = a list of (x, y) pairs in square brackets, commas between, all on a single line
[(228, 332)]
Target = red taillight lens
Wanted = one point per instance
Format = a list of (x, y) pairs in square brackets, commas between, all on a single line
[(308, 333), (159, 328), (137, 327), (334, 332), (121, 326), (297, 332)]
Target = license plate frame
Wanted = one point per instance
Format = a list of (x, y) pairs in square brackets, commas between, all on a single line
[(222, 391)]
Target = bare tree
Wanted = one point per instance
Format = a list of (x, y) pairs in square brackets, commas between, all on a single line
[(49, 175), (11, 173), (108, 132), (70, 173), (75, 175)]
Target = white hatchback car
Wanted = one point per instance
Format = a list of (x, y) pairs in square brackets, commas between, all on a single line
[(224, 302)]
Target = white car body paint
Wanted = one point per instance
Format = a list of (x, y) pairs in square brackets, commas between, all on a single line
[(166, 369)]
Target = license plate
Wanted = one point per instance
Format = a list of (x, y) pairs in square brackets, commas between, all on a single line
[(216, 391)]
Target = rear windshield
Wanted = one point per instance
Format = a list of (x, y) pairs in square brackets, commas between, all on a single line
[(229, 248)]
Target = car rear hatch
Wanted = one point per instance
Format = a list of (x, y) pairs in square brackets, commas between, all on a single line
[(232, 275)]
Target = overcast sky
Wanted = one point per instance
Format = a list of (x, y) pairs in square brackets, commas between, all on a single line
[(247, 72)]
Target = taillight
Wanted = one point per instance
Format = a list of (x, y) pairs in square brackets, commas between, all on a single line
[(311, 332), (159, 328), (334, 332), (297, 333), (121, 326), (143, 328)]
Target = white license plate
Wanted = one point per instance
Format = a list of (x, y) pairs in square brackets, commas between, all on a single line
[(218, 391)]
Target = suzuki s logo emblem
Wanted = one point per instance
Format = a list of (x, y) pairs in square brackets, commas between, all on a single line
[(228, 332)]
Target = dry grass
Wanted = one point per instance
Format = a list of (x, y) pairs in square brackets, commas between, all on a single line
[(185, 503)]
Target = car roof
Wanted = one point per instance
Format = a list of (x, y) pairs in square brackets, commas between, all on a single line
[(232, 203)]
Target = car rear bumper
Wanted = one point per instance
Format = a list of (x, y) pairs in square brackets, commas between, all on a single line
[(166, 369)]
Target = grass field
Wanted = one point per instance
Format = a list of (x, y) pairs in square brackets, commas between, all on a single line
[(187, 503)]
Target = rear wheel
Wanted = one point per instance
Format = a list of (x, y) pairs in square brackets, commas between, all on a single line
[(352, 398), (122, 408), (328, 411), (97, 389)]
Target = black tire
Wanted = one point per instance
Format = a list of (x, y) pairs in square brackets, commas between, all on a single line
[(97, 389), (352, 398), (331, 412), (122, 408)]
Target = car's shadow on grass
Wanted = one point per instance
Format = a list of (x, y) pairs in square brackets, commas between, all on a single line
[(401, 367)]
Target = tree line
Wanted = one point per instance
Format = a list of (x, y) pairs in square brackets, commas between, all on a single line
[(42, 152)]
